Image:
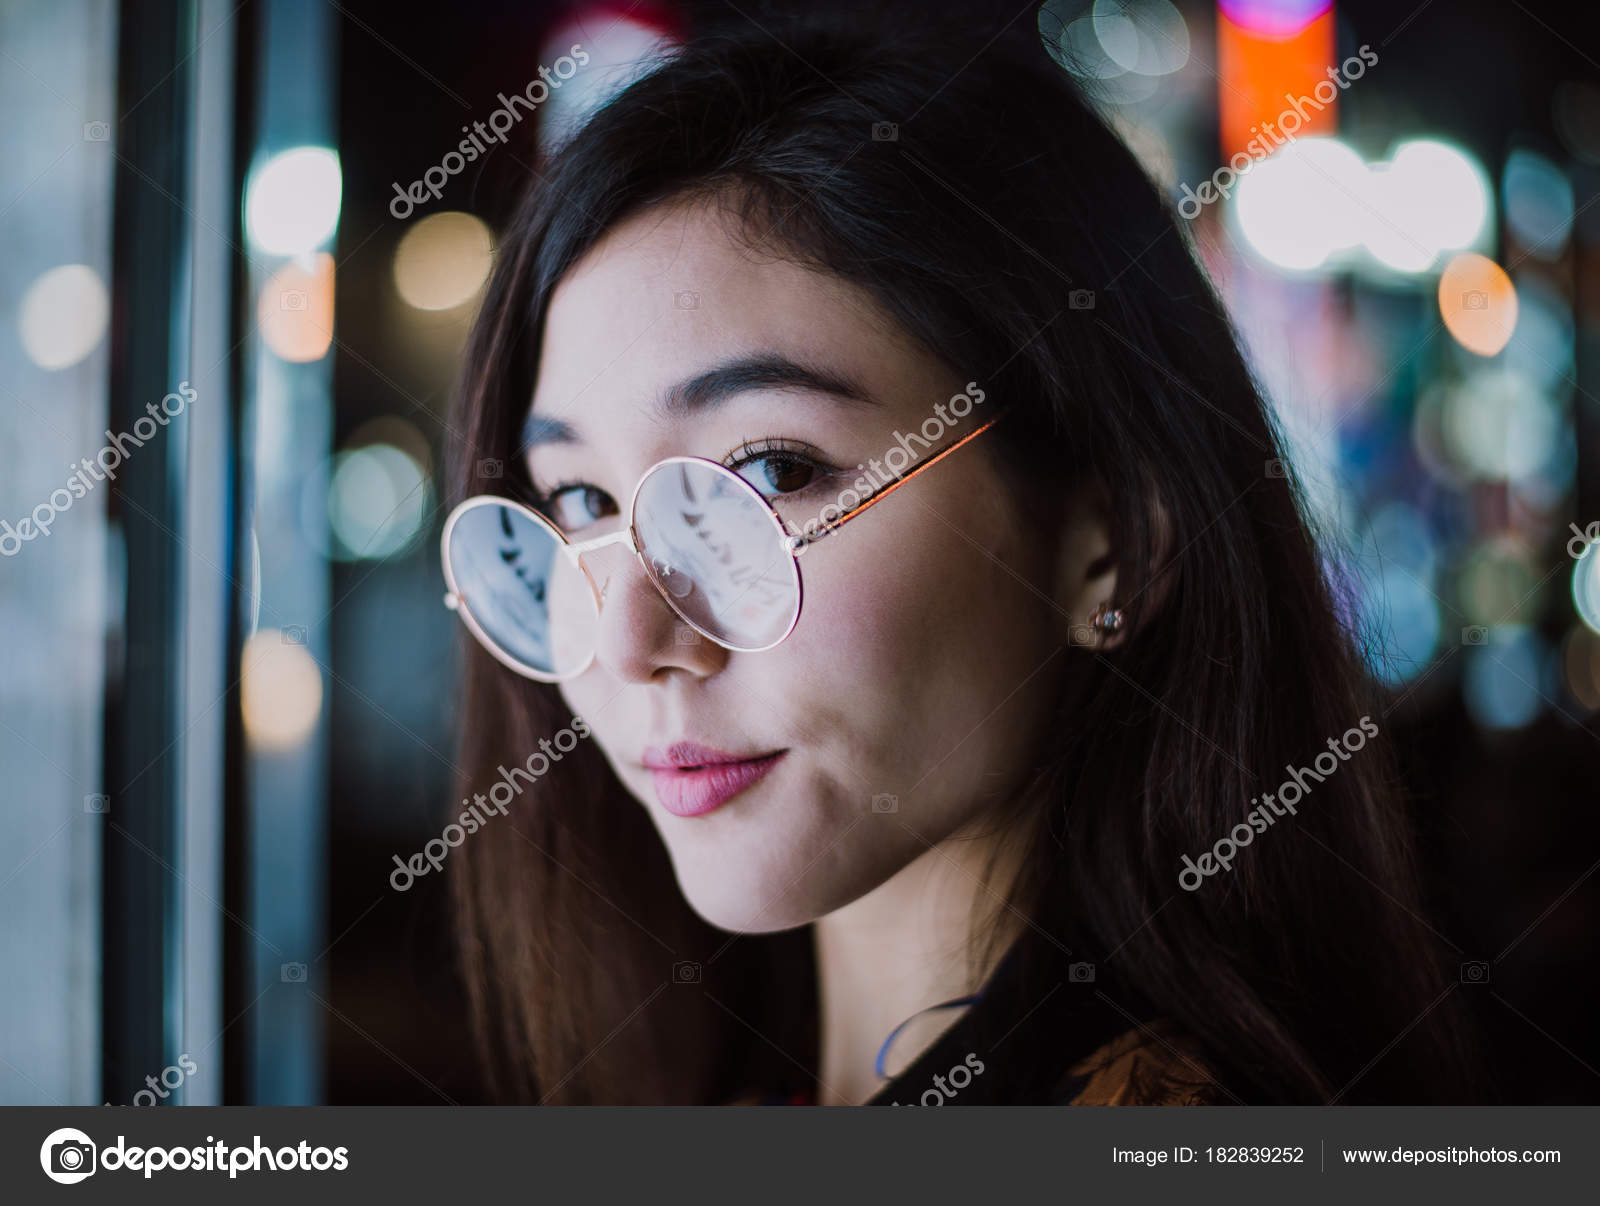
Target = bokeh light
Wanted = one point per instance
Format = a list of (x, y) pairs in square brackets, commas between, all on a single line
[(1392, 566), (292, 204), (1117, 48), (1312, 200), (63, 316), (1148, 38), (1478, 303), (280, 689), (1302, 204), (443, 261), (1497, 425), (1586, 586), (1401, 611), (378, 502), (636, 38), (1073, 43), (1501, 680), (1268, 55), (1447, 187), (1541, 347), (295, 310), (1497, 583), (1580, 666), (1273, 18), (1538, 203), (1400, 535), (1429, 197)]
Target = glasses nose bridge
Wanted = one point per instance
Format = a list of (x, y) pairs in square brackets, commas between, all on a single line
[(582, 553), (581, 548)]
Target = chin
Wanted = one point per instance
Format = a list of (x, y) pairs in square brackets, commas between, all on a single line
[(743, 908), (741, 893)]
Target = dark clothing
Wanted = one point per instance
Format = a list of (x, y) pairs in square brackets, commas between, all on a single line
[(1050, 1030)]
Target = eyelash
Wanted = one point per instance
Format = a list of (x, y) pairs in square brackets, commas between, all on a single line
[(774, 447), (748, 452)]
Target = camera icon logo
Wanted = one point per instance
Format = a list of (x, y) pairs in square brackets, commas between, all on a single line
[(885, 131), (687, 636), (292, 973), (1080, 299), (67, 1156), (294, 634), (686, 972), (491, 468), (686, 299), (885, 803), (1275, 469), (1475, 971), (1080, 973), (96, 803), (1082, 634), (292, 299), (96, 131), (1474, 299), (1475, 634)]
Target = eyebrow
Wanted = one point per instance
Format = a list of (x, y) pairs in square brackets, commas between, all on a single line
[(767, 370)]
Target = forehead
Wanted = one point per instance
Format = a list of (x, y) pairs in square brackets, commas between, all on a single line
[(673, 290)]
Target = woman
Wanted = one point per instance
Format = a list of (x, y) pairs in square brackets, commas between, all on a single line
[(922, 723)]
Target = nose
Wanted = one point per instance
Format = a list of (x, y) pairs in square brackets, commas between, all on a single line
[(639, 637)]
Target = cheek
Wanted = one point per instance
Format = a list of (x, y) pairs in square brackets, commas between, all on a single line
[(919, 669), (581, 697), (924, 640), (602, 710)]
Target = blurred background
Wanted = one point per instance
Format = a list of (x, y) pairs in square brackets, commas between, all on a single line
[(241, 253)]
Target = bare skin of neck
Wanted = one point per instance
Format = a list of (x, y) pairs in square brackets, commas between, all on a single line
[(897, 950)]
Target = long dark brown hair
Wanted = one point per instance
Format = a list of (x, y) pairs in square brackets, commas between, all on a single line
[(992, 213)]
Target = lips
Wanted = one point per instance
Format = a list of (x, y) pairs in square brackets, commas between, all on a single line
[(692, 779)]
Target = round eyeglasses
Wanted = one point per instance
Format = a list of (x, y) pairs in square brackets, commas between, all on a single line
[(710, 543)]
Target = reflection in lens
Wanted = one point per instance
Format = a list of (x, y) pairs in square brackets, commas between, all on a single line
[(717, 551), (532, 601)]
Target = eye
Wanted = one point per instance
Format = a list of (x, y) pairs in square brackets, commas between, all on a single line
[(574, 506), (774, 469)]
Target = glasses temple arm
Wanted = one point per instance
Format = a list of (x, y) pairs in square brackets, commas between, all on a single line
[(811, 537)]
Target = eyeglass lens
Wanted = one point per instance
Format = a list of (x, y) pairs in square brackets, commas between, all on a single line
[(708, 540), (528, 598)]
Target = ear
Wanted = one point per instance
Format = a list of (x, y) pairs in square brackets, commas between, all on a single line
[(1086, 570), (1087, 581)]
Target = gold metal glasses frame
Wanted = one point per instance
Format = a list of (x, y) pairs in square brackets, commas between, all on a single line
[(794, 543)]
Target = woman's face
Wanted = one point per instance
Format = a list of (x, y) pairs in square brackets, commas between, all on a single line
[(908, 698)]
